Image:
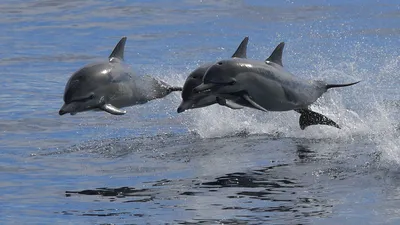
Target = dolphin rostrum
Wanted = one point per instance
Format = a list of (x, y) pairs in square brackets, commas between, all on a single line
[(267, 86), (111, 85), (191, 100)]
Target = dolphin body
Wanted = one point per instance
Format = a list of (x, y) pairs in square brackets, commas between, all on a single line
[(267, 86), (191, 100), (110, 85)]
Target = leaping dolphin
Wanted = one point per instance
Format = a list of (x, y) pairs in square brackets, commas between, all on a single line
[(111, 85), (191, 100), (267, 86)]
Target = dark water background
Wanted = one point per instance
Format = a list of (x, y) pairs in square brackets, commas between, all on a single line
[(207, 166)]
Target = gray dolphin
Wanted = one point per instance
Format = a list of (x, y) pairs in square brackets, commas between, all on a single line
[(110, 85), (267, 86), (191, 100)]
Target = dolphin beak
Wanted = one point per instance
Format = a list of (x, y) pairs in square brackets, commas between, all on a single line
[(180, 109), (62, 110), (66, 108), (184, 106), (203, 87)]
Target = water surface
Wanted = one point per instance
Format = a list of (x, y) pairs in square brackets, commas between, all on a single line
[(206, 166)]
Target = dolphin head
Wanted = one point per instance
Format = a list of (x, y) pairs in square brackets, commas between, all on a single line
[(194, 79), (84, 89), (223, 77)]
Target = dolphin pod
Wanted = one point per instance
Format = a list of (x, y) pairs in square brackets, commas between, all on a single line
[(236, 83), (110, 85), (266, 86)]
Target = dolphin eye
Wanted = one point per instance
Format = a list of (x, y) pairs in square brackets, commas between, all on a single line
[(91, 96), (232, 82), (219, 63)]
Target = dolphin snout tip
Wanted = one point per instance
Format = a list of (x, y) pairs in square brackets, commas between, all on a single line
[(185, 105), (180, 110), (67, 108)]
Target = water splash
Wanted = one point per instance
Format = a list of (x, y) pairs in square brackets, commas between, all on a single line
[(362, 111)]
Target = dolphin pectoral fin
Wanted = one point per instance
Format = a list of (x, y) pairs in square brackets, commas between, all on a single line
[(253, 103), (233, 105), (228, 103), (308, 118), (241, 51), (112, 109), (118, 52)]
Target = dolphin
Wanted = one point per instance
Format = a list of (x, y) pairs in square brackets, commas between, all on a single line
[(110, 85), (267, 86), (191, 100)]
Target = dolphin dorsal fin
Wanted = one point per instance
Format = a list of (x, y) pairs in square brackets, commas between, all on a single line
[(118, 52), (241, 51), (276, 56)]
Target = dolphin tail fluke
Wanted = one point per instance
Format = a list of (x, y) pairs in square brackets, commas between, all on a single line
[(341, 85), (308, 118)]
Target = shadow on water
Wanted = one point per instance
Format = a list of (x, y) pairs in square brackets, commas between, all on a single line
[(305, 154), (268, 184), (216, 180), (265, 194), (142, 195)]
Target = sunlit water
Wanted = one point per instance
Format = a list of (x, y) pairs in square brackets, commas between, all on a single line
[(205, 166)]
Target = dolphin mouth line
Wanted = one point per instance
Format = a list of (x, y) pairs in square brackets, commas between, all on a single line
[(83, 99), (203, 88), (205, 91), (74, 111), (63, 112), (207, 88), (223, 83)]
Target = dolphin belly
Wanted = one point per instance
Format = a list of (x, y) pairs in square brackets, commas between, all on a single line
[(204, 100), (271, 95), (139, 90), (126, 94)]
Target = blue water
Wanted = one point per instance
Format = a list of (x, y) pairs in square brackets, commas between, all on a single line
[(205, 166)]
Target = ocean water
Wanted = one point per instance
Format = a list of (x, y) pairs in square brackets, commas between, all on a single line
[(205, 166)]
